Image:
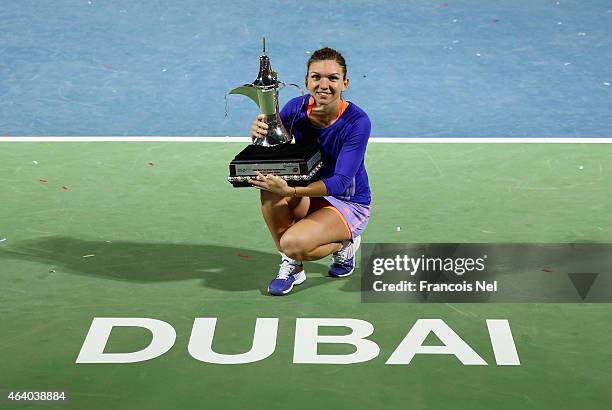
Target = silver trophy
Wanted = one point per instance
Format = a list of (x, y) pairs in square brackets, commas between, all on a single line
[(274, 154)]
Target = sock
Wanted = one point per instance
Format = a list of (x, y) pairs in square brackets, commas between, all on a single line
[(291, 261)]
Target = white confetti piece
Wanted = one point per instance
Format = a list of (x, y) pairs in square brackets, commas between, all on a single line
[(607, 84), (3, 240), (567, 64), (455, 41), (455, 20), (308, 52), (35, 162), (164, 70), (89, 256), (559, 23), (582, 34), (398, 228), (581, 167), (478, 54)]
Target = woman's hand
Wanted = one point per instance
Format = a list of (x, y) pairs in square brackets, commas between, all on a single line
[(259, 129), (272, 183)]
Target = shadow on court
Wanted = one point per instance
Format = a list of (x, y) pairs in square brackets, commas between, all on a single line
[(219, 267)]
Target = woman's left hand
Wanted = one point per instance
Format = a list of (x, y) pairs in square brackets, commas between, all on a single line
[(272, 183)]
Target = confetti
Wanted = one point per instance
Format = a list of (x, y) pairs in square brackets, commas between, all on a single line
[(444, 4), (566, 64), (89, 256), (51, 270), (582, 34), (242, 256), (455, 20), (547, 270), (495, 20), (65, 188), (3, 240), (35, 162), (559, 23), (308, 52), (151, 164), (398, 228), (164, 70), (43, 181), (478, 54), (581, 167), (6, 134), (607, 84)]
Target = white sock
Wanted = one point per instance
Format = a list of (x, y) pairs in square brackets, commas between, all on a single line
[(291, 261)]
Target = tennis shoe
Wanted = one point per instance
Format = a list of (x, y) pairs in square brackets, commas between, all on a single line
[(290, 273), (343, 261)]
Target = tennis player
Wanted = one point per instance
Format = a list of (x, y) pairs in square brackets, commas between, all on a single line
[(329, 215)]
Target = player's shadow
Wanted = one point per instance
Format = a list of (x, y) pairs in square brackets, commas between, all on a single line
[(218, 267)]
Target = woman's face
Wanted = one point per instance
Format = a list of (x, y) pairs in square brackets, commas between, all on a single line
[(326, 81)]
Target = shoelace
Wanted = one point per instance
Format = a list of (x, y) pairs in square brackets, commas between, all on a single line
[(286, 267), (342, 255)]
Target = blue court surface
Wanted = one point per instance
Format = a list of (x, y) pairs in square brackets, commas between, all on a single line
[(419, 68)]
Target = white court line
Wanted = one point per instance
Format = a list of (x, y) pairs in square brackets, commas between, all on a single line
[(387, 140)]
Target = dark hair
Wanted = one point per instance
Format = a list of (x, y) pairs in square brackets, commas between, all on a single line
[(327, 53)]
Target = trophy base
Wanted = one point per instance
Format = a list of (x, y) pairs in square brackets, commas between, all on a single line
[(296, 163)]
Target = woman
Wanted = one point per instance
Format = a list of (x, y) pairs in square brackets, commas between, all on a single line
[(327, 216)]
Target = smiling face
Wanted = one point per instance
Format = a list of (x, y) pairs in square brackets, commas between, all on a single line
[(326, 80)]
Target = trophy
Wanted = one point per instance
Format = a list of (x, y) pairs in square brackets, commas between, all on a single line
[(274, 154)]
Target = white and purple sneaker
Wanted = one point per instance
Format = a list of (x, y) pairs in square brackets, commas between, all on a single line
[(343, 261), (291, 273)]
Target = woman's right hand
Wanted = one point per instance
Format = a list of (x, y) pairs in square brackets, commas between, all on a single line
[(259, 129)]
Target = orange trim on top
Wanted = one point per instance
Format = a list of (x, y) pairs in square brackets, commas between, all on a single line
[(343, 105), (333, 208)]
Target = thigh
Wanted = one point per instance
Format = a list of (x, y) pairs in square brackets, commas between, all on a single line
[(319, 228), (299, 206)]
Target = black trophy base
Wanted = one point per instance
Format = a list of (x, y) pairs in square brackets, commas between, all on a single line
[(296, 163)]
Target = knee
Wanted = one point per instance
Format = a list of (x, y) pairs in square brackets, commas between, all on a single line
[(293, 246)]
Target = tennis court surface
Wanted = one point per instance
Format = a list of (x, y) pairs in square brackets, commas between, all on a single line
[(153, 230)]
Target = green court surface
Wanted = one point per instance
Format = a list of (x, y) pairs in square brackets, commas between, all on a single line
[(172, 240)]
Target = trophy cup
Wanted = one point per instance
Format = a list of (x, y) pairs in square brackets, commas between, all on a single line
[(274, 154)]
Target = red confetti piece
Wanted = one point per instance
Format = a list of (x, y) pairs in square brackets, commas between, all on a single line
[(151, 164), (65, 188), (547, 270), (106, 67), (43, 180), (445, 5), (6, 134), (243, 256)]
